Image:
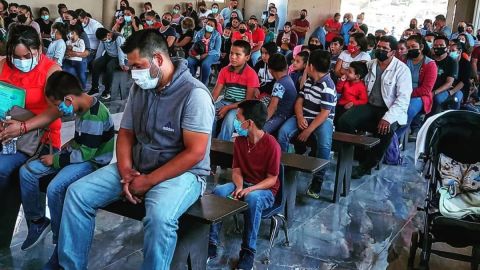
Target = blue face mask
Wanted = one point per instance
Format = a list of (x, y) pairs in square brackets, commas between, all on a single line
[(25, 65), (454, 55), (238, 128), (209, 28), (65, 109), (128, 19)]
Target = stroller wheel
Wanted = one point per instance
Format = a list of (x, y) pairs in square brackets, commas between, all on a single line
[(413, 250)]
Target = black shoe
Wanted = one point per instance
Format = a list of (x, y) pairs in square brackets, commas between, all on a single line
[(314, 189), (105, 96), (93, 91), (359, 171), (36, 232), (212, 252), (247, 258)]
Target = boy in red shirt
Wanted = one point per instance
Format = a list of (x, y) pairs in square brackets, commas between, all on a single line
[(256, 163), (151, 21), (352, 89)]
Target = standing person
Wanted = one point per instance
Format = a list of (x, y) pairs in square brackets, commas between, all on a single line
[(301, 26), (359, 26), (227, 12), (333, 26), (266, 13), (74, 64), (109, 59), (216, 13), (28, 68), (356, 51), (447, 72), (424, 73), (412, 27), (169, 184), (389, 84), (45, 25), (90, 149), (213, 42), (255, 172), (25, 17), (56, 49), (258, 38), (440, 26), (314, 114), (272, 20), (128, 23), (346, 26), (287, 39), (90, 26)]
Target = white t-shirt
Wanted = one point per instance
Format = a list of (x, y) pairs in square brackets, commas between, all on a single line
[(347, 58), (91, 29), (204, 14), (78, 46)]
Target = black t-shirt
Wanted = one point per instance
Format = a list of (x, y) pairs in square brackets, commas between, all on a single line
[(45, 28), (445, 68), (226, 46), (464, 74), (169, 32), (190, 34)]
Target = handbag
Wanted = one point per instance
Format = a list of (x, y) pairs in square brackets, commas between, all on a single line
[(29, 142)]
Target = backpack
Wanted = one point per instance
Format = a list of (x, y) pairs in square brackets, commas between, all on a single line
[(392, 155)]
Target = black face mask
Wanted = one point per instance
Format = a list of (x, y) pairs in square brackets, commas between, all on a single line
[(381, 55), (203, 9), (67, 22), (251, 26), (272, 14), (478, 37), (242, 31), (313, 47), (302, 16), (12, 15), (122, 8), (439, 51), (22, 18), (413, 26), (190, 8), (165, 22), (412, 54), (234, 7), (461, 29)]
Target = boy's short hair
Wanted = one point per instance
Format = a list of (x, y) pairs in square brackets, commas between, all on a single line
[(442, 37), (338, 39), (277, 62), (61, 28), (360, 68), (150, 13), (270, 47), (254, 110), (101, 33), (304, 55), (244, 45), (320, 60), (61, 84)]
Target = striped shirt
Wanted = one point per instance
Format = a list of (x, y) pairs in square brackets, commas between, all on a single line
[(93, 141), (236, 84), (318, 96)]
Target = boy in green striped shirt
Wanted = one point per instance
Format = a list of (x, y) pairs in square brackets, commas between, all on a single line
[(91, 148)]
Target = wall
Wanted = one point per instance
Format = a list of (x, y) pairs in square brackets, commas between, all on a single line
[(95, 7), (318, 10), (464, 11)]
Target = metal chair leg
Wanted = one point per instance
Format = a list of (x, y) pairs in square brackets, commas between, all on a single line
[(285, 229), (237, 227), (272, 239)]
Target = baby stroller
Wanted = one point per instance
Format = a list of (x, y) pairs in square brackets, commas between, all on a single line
[(455, 134)]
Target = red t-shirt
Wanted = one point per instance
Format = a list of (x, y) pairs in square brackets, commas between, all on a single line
[(237, 36), (333, 24), (301, 23), (262, 160), (355, 92), (476, 55), (236, 84), (156, 25), (258, 35)]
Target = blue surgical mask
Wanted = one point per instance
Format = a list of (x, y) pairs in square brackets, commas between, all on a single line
[(209, 28), (144, 80), (25, 65), (65, 109), (238, 128), (45, 17), (127, 19), (149, 22), (454, 55), (214, 10), (429, 44)]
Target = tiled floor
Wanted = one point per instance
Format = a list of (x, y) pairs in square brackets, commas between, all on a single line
[(369, 229)]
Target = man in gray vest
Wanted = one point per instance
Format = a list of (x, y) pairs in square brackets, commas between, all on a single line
[(163, 158)]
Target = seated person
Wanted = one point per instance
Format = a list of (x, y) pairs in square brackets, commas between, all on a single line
[(283, 95), (151, 20), (234, 24), (314, 114), (240, 82), (185, 41), (335, 48), (269, 34), (461, 85), (352, 89), (168, 31), (447, 72), (389, 84), (287, 39), (225, 48), (109, 59), (90, 149), (242, 34), (128, 23), (212, 41), (255, 171), (266, 79), (298, 66), (56, 49)]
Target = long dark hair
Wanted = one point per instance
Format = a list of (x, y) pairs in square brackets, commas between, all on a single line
[(22, 34)]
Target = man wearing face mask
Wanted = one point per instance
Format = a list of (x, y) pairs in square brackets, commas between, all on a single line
[(461, 86), (389, 85), (163, 149), (301, 26), (90, 26), (190, 12), (461, 29), (203, 12), (128, 24), (346, 26), (447, 72), (227, 12), (258, 36)]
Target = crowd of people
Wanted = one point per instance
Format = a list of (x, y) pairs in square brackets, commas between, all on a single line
[(274, 89)]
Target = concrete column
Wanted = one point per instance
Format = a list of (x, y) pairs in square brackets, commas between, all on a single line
[(476, 15), (109, 8)]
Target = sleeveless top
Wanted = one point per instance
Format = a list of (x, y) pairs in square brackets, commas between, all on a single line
[(33, 83)]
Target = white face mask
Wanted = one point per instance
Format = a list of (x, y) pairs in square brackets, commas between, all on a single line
[(143, 78), (26, 65)]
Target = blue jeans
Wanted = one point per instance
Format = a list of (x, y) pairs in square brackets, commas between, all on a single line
[(8, 165), (205, 69), (274, 123), (78, 69), (256, 57), (415, 107), (33, 206), (227, 129), (301, 40), (323, 136), (164, 204), (439, 99), (257, 201)]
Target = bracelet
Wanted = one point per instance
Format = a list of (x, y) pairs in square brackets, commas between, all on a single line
[(23, 128)]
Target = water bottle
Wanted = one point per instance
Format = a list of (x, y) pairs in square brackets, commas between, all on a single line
[(10, 147)]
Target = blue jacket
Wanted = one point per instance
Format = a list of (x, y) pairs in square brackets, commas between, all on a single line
[(215, 41)]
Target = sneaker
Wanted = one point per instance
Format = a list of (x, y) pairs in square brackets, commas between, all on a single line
[(246, 260), (314, 189), (212, 252), (93, 91), (36, 232), (359, 171), (52, 263), (105, 96)]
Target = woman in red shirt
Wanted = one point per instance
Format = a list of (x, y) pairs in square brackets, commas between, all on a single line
[(27, 68)]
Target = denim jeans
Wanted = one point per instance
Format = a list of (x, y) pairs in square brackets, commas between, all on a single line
[(257, 201), (439, 99), (205, 69), (77, 69), (301, 40), (323, 136), (274, 123), (256, 57), (164, 204), (33, 206), (227, 128), (415, 107), (107, 66)]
